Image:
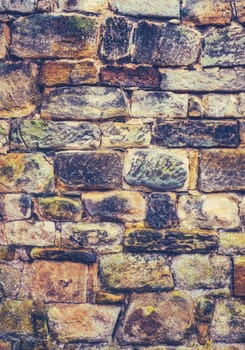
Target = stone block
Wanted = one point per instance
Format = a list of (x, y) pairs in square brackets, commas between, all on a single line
[(231, 243), (4, 39), (223, 105), (4, 136), (161, 211), (239, 276), (240, 9), (10, 278), (26, 6), (59, 254), (15, 207), (93, 6)]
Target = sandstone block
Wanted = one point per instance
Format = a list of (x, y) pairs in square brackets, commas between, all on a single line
[(33, 234), (4, 136), (201, 271), (25, 172), (203, 80), (86, 102), (93, 6), (239, 276), (224, 47), (152, 104), (124, 206), (19, 94), (91, 170), (161, 211), (4, 38), (196, 134), (232, 243), (94, 323), (222, 170), (68, 72), (129, 272), (103, 237), (240, 8), (157, 318), (157, 169), (44, 134), (223, 105), (15, 207), (3, 238), (209, 211), (165, 45), (45, 36), (26, 6), (9, 280), (59, 254)]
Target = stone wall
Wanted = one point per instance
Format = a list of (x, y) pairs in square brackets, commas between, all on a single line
[(122, 174)]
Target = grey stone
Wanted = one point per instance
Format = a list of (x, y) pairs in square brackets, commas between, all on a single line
[(22, 6)]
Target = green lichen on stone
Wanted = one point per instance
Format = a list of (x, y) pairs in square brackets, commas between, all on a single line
[(59, 208)]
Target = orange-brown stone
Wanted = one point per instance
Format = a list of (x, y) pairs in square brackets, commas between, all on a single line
[(239, 276)]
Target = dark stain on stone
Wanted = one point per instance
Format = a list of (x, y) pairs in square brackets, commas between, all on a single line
[(108, 208), (63, 255), (147, 324), (161, 211), (7, 171), (25, 204)]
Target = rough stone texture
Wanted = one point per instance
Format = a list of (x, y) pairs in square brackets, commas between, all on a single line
[(161, 211), (102, 238), (196, 134), (135, 272), (68, 72), (222, 170), (224, 47), (144, 8), (157, 318), (170, 241), (91, 170), (9, 280), (15, 207), (5, 345), (4, 36), (25, 172), (240, 8), (157, 169), (206, 12), (124, 206), (43, 134), (229, 321), (46, 36), (116, 38), (59, 254), (203, 80), (82, 321), (108, 298), (209, 211), (242, 210), (19, 94), (165, 45), (94, 6), (201, 271), (28, 233), (129, 76), (223, 105), (232, 243), (239, 276), (26, 6), (152, 104), (4, 136), (126, 135), (81, 103)]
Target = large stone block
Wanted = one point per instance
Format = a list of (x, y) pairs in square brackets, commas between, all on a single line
[(239, 276), (15, 207), (86, 102), (231, 243), (26, 172), (130, 272), (85, 322), (223, 105), (157, 169), (165, 45), (44, 36), (19, 94), (222, 170), (90, 170), (22, 6), (157, 318)]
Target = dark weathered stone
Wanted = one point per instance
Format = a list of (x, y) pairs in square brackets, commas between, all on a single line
[(157, 318), (239, 276), (87, 102), (161, 211), (22, 6), (222, 170), (61, 36), (165, 45), (116, 35), (224, 47), (196, 134), (157, 169), (92, 170), (59, 254), (44, 134), (129, 76)]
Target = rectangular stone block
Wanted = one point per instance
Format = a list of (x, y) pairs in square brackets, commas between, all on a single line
[(87, 102), (4, 136), (223, 105), (215, 79), (196, 134), (45, 36), (93, 6), (15, 207), (84, 322), (68, 72), (239, 276), (60, 254), (10, 278), (19, 94), (4, 39), (90, 170), (150, 104), (240, 8), (26, 172), (165, 45), (161, 210), (231, 243), (22, 6), (222, 170)]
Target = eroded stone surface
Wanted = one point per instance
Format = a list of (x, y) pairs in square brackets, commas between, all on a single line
[(60, 254), (232, 243), (9, 280), (156, 318), (39, 36), (4, 36), (87, 102), (201, 271), (135, 272), (240, 8), (26, 172), (15, 207), (109, 298), (165, 45), (157, 169), (84, 322), (239, 276), (22, 6), (94, 6), (161, 211), (223, 105), (19, 94), (4, 134)]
